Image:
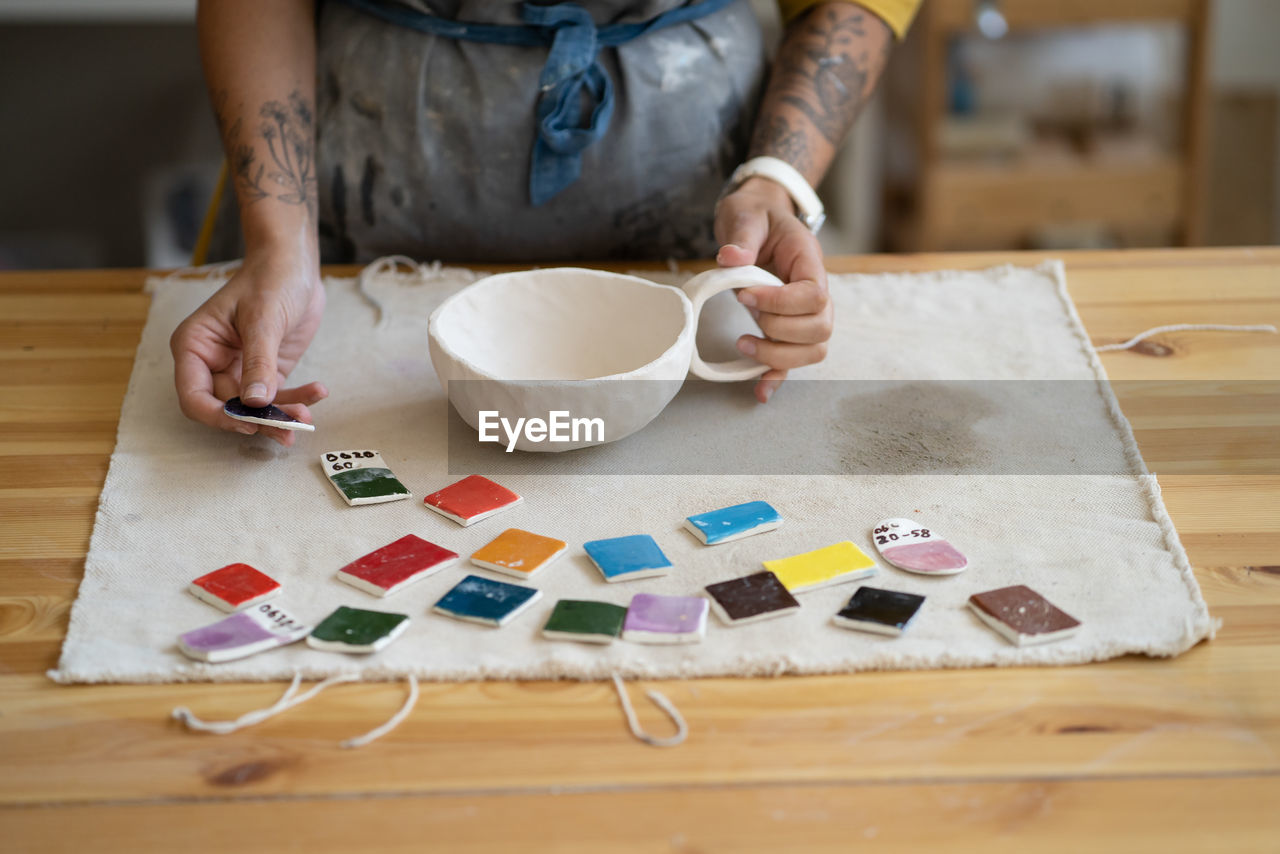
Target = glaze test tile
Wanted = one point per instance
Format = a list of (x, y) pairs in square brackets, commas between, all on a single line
[(628, 558), (490, 603), (751, 598), (733, 523), (362, 477), (356, 630), (518, 553), (243, 634), (588, 622), (653, 618), (885, 612), (234, 587), (1022, 616), (471, 499), (269, 416), (909, 545), (837, 564), (397, 565)]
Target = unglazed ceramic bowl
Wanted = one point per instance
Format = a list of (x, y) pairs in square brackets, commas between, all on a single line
[(582, 342)]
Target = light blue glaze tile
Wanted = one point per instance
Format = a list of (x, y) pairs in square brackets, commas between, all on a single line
[(741, 520)]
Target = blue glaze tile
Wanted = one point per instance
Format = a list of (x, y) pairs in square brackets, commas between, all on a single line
[(626, 558), (733, 523), (482, 600)]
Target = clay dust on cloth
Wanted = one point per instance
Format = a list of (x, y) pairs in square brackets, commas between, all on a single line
[(181, 500)]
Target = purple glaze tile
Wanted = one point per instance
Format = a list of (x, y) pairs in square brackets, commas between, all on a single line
[(244, 633), (665, 619)]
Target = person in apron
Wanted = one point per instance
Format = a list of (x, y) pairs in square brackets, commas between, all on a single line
[(464, 130)]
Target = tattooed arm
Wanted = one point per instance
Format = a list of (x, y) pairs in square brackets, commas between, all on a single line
[(826, 69), (259, 64)]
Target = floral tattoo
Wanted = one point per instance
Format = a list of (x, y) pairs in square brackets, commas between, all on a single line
[(287, 172)]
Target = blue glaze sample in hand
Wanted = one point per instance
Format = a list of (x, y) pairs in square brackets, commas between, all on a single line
[(734, 523), (482, 600), (627, 558), (270, 416)]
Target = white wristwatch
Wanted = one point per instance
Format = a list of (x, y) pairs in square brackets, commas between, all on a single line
[(808, 206)]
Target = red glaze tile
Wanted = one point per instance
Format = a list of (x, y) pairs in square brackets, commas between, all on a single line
[(398, 563), (471, 499), (236, 585)]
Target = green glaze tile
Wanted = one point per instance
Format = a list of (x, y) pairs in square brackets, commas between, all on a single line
[(357, 630), (361, 477), (591, 622)]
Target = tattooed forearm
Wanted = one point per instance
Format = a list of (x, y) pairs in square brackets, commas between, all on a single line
[(775, 136), (826, 70), (276, 162), (826, 79)]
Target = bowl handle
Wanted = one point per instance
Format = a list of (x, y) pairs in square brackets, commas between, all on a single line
[(703, 287)]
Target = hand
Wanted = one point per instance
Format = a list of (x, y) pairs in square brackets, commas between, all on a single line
[(757, 224), (245, 340)]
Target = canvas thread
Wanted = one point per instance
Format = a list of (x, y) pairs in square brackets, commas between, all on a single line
[(1184, 327), (659, 700), (291, 698)]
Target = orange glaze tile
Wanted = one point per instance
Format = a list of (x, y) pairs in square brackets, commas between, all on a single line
[(519, 553)]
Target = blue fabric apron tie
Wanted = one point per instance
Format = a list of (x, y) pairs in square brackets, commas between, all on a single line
[(571, 78)]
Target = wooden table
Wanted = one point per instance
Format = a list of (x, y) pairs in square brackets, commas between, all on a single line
[(1129, 755)]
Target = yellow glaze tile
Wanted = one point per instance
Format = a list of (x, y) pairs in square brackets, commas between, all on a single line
[(831, 565)]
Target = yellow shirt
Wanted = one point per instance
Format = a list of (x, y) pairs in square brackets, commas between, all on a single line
[(896, 13)]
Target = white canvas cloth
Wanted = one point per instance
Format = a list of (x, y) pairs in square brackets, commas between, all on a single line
[(181, 500)]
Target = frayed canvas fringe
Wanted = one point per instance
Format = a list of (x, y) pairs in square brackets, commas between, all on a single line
[(1205, 625), (292, 698)]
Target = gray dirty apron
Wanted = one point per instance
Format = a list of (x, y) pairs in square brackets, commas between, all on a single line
[(423, 142)]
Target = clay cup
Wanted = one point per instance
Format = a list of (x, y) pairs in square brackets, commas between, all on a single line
[(584, 343)]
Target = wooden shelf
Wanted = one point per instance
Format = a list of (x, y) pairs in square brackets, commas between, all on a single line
[(978, 206)]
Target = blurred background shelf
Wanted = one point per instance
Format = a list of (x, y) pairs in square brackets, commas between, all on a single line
[(983, 206), (1045, 124)]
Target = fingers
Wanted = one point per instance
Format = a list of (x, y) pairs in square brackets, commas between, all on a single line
[(768, 384), (295, 401), (796, 298), (781, 355), (801, 329), (194, 382), (200, 401), (795, 256), (747, 231), (799, 255), (298, 411), (742, 226), (307, 395), (282, 437), (258, 379)]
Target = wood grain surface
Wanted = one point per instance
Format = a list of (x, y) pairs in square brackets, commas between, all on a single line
[(1128, 755)]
